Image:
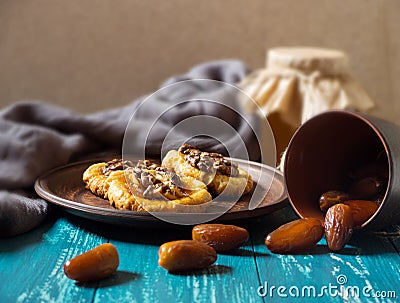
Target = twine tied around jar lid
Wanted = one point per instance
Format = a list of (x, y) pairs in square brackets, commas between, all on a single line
[(301, 82)]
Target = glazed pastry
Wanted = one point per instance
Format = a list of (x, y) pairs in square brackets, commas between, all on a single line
[(117, 192), (162, 189), (95, 176), (146, 187), (220, 174)]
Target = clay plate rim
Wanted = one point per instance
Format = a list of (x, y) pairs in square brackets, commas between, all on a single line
[(63, 186)]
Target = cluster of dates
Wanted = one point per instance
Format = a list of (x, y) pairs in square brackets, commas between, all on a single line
[(175, 256), (201, 251), (303, 234), (344, 212)]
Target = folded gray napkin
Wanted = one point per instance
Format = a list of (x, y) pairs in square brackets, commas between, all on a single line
[(35, 137)]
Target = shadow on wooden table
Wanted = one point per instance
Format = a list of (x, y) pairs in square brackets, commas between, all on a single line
[(28, 238), (215, 269), (157, 235), (118, 278), (149, 236), (243, 253), (322, 249)]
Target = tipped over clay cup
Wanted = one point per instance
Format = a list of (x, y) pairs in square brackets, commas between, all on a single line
[(326, 148)]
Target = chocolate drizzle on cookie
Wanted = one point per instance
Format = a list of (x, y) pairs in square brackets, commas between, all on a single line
[(119, 164), (155, 180), (147, 164), (208, 162), (114, 165)]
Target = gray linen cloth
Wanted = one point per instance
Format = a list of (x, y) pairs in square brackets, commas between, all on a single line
[(36, 137)]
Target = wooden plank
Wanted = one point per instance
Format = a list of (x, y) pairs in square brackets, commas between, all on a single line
[(31, 265), (368, 263), (140, 279)]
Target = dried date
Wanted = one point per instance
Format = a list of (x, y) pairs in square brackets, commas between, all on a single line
[(338, 226), (95, 264), (361, 210), (331, 198), (296, 236), (221, 237), (185, 255)]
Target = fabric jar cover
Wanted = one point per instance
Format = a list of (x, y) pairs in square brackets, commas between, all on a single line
[(301, 82)]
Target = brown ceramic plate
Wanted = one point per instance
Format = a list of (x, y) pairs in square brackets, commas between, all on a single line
[(63, 186)]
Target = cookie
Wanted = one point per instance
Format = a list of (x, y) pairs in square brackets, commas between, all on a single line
[(146, 186), (96, 174), (220, 174)]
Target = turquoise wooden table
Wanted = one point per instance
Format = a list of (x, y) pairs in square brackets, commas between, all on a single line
[(31, 267)]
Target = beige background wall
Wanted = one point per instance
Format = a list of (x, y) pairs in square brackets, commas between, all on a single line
[(94, 54)]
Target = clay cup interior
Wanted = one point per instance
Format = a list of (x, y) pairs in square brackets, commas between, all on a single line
[(327, 147)]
